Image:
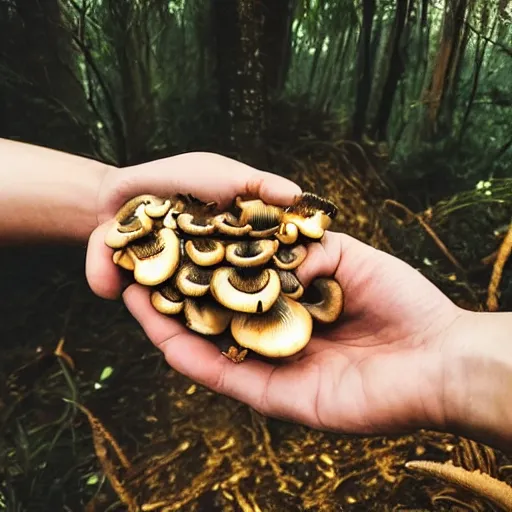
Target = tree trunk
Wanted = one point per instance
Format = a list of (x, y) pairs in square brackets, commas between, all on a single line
[(364, 78)]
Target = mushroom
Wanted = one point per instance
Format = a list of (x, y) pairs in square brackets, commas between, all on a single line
[(311, 214), (205, 251), (123, 260), (196, 218), (287, 233), (192, 280), (283, 331), (167, 299), (324, 299), (227, 224), (290, 284), (156, 211), (264, 219), (250, 290), (155, 256), (131, 221), (289, 258), (206, 316), (251, 253)]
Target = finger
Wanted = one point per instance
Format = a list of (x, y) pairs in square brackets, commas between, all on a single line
[(269, 389), (104, 278), (207, 176)]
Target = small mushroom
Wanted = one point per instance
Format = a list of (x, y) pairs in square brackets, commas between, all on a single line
[(324, 299), (155, 256), (264, 219), (196, 218), (193, 281), (251, 253), (287, 233), (132, 221), (156, 211), (205, 251), (283, 331), (227, 224), (123, 260), (167, 299), (206, 316), (289, 258), (312, 215), (250, 290), (290, 284)]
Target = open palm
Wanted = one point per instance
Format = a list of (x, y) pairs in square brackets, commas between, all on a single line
[(378, 370)]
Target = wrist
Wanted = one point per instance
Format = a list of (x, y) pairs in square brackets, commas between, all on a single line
[(478, 378)]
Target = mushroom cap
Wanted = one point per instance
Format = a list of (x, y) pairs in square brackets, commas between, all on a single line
[(251, 253), (227, 224), (327, 302), (167, 299), (130, 223), (205, 251), (287, 233), (192, 280), (282, 331), (197, 225), (155, 211), (290, 284), (205, 316), (123, 259), (249, 290), (155, 256), (289, 258), (263, 218)]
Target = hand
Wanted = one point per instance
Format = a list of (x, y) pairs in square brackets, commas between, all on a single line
[(379, 371), (207, 176)]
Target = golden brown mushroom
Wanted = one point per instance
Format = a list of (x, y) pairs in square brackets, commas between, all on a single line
[(326, 303), (167, 299), (205, 251), (192, 280), (264, 219), (287, 233), (227, 224), (289, 258), (207, 317), (197, 218), (251, 253), (290, 284), (156, 211), (155, 256), (250, 290), (131, 221), (312, 215), (123, 260), (283, 331)]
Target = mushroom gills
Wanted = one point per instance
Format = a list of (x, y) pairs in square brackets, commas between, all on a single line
[(251, 253), (167, 299), (264, 219), (192, 280), (289, 258), (283, 331), (205, 316), (155, 257), (205, 251), (324, 299), (290, 284), (250, 290)]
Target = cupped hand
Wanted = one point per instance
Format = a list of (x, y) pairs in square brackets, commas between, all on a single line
[(207, 176), (380, 369)]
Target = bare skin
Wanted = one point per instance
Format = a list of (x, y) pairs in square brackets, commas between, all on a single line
[(403, 357)]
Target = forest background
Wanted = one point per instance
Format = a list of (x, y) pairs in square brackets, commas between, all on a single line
[(399, 111)]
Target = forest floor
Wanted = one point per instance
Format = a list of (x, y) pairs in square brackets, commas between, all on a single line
[(92, 416)]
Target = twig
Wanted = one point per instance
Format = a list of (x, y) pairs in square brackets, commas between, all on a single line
[(429, 230), (497, 271)]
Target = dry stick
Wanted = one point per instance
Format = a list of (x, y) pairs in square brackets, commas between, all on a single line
[(497, 271), (429, 230)]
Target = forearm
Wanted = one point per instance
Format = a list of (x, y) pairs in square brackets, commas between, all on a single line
[(480, 358), (46, 195)]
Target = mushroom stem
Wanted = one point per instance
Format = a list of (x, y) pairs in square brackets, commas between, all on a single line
[(329, 305)]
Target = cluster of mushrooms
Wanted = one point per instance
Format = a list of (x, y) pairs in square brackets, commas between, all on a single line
[(232, 268)]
